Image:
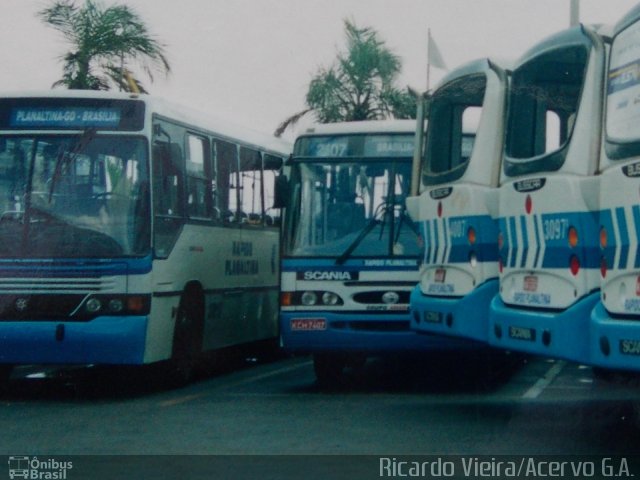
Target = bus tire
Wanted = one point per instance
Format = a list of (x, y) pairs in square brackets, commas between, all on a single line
[(5, 375), (187, 337), (328, 368)]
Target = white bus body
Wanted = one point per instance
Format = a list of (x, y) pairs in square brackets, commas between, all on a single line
[(133, 230), (615, 332), (548, 198), (457, 205)]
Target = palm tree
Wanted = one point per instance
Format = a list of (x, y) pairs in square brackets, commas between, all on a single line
[(359, 86), (103, 41)]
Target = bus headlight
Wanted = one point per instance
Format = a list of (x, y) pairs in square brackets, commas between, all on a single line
[(93, 305), (309, 299), (122, 304), (330, 298), (116, 305)]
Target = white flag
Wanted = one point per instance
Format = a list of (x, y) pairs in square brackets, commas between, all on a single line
[(434, 57)]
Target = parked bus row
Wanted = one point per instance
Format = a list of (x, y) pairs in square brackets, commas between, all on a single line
[(531, 242), (136, 232)]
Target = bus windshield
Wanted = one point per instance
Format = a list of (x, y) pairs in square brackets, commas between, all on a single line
[(351, 209), (73, 196)]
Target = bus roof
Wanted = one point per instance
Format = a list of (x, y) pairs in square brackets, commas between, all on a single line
[(224, 128), (570, 36), (629, 18), (370, 126), (473, 67)]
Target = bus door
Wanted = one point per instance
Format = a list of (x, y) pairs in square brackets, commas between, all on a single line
[(457, 204), (615, 337), (549, 256)]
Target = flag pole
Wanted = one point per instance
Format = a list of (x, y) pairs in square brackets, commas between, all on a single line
[(428, 56), (574, 14)]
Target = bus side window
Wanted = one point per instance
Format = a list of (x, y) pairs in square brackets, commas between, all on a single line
[(198, 185), (168, 179), (271, 167), (167, 196), (226, 173), (250, 202)]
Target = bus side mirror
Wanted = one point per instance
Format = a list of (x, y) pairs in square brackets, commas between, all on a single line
[(281, 191)]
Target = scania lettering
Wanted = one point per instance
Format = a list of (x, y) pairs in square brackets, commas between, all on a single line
[(327, 276)]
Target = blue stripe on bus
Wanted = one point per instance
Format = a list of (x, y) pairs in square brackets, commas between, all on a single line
[(556, 248), (538, 245), (329, 264), (525, 241), (609, 252), (624, 237), (427, 241), (513, 252), (635, 210), (436, 246), (457, 249), (74, 268)]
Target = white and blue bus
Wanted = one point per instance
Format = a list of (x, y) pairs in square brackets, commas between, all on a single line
[(349, 249), (457, 204), (548, 198), (132, 231), (615, 327)]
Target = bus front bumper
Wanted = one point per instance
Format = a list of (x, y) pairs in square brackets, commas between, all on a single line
[(563, 334), (312, 332), (465, 317), (103, 340), (615, 343)]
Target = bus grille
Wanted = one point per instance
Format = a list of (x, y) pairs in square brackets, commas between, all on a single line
[(375, 297), (30, 286), (35, 299)]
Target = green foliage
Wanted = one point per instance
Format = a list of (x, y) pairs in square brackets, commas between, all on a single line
[(360, 84), (103, 41)]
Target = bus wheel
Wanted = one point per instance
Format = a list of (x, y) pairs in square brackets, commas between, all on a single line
[(328, 368), (187, 337), (5, 375)]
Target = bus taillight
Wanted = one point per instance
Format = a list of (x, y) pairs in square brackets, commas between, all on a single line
[(603, 267), (574, 265), (136, 304), (500, 241), (471, 235), (603, 238), (573, 237), (286, 299), (500, 265)]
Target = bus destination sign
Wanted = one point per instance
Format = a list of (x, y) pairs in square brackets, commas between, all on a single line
[(358, 145), (389, 146), (64, 117)]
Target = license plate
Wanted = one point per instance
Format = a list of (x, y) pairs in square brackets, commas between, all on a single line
[(308, 324), (432, 317), (522, 333), (530, 283), (440, 275), (630, 347)]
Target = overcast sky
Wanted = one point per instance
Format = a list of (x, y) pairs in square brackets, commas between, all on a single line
[(251, 61)]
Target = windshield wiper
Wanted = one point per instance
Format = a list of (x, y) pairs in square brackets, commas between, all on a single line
[(66, 157), (373, 223)]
